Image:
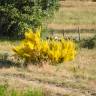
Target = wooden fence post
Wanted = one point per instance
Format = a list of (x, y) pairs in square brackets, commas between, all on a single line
[(52, 33), (79, 33), (63, 33)]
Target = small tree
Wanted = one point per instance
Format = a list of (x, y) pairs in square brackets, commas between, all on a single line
[(17, 15)]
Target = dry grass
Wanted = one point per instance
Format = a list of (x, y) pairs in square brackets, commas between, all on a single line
[(75, 78), (73, 16), (75, 13)]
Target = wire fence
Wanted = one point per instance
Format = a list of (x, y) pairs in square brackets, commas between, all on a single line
[(77, 32)]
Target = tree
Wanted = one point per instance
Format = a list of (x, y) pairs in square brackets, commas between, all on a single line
[(17, 15)]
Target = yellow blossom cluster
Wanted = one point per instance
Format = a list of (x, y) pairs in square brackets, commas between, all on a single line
[(33, 48)]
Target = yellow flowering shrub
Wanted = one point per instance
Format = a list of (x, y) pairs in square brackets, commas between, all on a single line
[(34, 48)]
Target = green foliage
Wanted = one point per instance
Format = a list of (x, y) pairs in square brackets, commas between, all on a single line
[(4, 91), (18, 15), (89, 43), (33, 93)]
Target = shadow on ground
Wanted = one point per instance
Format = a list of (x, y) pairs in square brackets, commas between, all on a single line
[(7, 64)]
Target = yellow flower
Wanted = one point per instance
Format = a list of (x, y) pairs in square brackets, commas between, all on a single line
[(38, 31), (31, 46), (29, 35), (45, 46)]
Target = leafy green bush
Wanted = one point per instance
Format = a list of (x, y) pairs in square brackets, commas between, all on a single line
[(89, 43), (17, 15)]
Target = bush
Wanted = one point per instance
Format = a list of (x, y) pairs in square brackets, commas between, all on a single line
[(89, 43), (34, 49), (18, 15)]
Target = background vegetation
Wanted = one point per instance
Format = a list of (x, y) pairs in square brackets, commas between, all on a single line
[(16, 16)]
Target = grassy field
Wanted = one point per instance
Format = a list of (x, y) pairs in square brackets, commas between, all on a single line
[(73, 14), (74, 78), (76, 13), (74, 17)]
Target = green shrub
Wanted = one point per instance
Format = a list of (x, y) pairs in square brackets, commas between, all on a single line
[(17, 15), (89, 43)]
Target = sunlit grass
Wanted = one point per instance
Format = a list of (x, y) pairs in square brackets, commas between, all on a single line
[(76, 13), (77, 74), (4, 91)]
